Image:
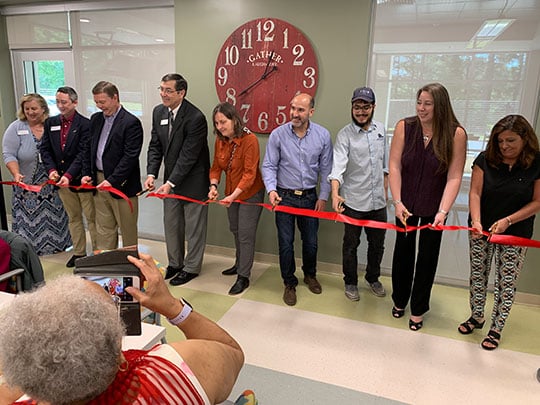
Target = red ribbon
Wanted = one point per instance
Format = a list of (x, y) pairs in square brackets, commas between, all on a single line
[(334, 216), (36, 188)]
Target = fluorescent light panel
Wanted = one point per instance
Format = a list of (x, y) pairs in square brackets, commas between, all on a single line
[(489, 30)]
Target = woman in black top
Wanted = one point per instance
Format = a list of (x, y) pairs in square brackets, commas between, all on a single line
[(503, 199)]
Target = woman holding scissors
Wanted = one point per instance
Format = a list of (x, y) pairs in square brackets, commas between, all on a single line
[(236, 153), (504, 197), (427, 157)]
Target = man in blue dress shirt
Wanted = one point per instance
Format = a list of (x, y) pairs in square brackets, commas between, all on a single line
[(298, 154)]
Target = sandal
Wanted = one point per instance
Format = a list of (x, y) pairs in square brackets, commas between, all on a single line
[(470, 325), (415, 325), (491, 342), (397, 313)]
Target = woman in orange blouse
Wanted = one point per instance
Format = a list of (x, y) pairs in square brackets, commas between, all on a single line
[(236, 152)]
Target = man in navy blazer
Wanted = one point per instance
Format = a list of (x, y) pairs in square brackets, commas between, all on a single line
[(179, 139), (115, 146), (64, 145)]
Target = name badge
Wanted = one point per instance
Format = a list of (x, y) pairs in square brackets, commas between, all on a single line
[(165, 122), (56, 128), (23, 132)]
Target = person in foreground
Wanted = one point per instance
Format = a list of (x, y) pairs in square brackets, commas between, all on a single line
[(503, 199), (66, 361), (236, 152), (427, 157)]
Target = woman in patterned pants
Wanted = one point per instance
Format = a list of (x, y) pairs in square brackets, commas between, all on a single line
[(504, 197)]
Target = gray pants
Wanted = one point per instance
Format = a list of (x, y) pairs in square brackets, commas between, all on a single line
[(243, 221), (185, 221)]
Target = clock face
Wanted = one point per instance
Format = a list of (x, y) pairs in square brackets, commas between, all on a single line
[(261, 66)]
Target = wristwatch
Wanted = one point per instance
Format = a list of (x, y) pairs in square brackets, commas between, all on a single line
[(183, 315)]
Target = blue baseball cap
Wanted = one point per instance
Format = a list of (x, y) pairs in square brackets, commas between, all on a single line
[(364, 94)]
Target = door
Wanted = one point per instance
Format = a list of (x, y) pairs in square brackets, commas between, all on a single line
[(43, 72)]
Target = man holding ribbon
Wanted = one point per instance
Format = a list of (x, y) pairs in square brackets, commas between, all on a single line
[(116, 143), (180, 140), (298, 154), (63, 148), (359, 173)]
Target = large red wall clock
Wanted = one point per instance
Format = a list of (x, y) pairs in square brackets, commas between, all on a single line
[(260, 68)]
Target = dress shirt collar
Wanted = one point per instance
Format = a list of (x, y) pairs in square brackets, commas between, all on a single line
[(67, 119), (175, 110)]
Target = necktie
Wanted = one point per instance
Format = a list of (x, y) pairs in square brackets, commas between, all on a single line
[(171, 122)]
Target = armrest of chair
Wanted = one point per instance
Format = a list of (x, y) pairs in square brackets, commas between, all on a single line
[(11, 273)]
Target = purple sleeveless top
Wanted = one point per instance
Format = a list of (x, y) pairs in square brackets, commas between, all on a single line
[(422, 182)]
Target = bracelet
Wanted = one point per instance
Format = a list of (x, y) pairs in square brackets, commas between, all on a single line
[(396, 202), (213, 184), (442, 212), (182, 316), (509, 221), (476, 220)]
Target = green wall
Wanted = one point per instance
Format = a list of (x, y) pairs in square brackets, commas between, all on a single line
[(529, 281), (340, 37), (7, 99)]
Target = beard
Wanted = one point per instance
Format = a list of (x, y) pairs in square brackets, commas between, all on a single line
[(365, 124)]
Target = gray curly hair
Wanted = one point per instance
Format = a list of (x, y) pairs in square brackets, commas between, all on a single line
[(61, 343)]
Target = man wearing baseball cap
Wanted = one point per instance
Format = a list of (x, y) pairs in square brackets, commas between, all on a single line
[(359, 189)]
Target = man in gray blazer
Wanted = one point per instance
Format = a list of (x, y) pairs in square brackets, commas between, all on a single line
[(179, 139)]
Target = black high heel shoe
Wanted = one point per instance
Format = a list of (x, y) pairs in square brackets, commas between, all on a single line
[(397, 313), (415, 325)]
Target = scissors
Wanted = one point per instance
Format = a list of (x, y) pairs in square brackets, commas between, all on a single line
[(146, 190), (404, 216)]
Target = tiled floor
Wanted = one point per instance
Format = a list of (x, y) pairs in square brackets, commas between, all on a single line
[(329, 350)]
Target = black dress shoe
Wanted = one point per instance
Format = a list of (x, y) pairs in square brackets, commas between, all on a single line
[(182, 278), (230, 271), (71, 262), (172, 271), (241, 284)]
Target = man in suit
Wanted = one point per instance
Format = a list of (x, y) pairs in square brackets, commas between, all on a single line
[(179, 139), (63, 147), (115, 146)]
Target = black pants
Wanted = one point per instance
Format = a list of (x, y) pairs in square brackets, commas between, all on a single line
[(351, 240), (410, 281)]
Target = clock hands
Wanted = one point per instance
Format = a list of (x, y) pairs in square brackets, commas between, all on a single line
[(266, 73)]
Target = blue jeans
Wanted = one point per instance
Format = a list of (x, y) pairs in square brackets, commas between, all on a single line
[(308, 232)]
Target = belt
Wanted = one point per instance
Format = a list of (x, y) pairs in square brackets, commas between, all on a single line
[(297, 193)]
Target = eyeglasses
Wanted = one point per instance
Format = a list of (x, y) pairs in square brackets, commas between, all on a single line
[(365, 107), (167, 91)]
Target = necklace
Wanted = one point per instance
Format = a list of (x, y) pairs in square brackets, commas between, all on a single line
[(426, 138)]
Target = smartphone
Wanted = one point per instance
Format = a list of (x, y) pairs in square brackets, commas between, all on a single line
[(115, 285)]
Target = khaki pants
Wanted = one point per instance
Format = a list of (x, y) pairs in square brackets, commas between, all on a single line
[(113, 215), (77, 204)]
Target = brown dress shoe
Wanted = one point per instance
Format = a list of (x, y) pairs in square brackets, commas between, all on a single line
[(313, 285), (289, 295)]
